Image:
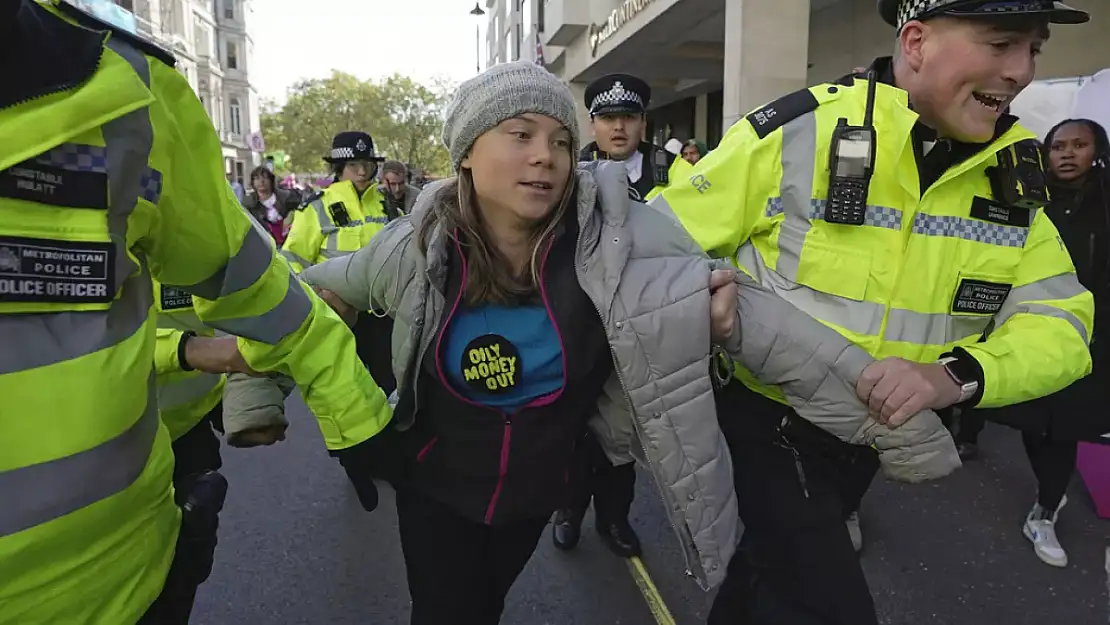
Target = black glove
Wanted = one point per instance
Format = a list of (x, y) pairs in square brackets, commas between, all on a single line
[(357, 461)]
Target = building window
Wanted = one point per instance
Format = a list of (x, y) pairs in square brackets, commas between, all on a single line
[(232, 55), (126, 4), (236, 117), (229, 9)]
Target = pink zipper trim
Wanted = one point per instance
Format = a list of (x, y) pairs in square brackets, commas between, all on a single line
[(427, 448), (506, 442)]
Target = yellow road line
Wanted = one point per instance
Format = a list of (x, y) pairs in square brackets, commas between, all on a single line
[(651, 593)]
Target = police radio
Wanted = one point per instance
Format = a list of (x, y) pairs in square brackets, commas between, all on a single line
[(1018, 179), (339, 214), (851, 163)]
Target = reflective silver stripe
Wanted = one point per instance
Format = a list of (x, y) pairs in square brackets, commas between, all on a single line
[(908, 326), (42, 492), (1024, 300), (329, 254), (799, 144), (293, 258), (970, 230), (187, 390), (272, 326), (43, 339), (877, 216), (240, 272), (855, 316)]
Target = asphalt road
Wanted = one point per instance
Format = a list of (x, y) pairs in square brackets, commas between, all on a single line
[(296, 548)]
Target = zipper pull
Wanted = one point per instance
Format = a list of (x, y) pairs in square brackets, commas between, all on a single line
[(801, 472)]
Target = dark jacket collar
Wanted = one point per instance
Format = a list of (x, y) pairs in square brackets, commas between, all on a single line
[(44, 54)]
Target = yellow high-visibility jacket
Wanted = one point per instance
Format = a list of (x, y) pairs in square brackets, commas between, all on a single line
[(184, 397), (318, 234), (926, 274), (111, 177)]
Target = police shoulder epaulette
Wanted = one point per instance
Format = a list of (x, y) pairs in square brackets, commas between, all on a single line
[(782, 111), (142, 44), (310, 199)]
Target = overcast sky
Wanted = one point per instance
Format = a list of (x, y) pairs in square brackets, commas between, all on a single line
[(297, 39)]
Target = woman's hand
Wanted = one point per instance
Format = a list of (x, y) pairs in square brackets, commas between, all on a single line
[(722, 305), (345, 311)]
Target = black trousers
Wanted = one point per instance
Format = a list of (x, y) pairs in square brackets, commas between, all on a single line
[(1053, 463), (795, 485), (373, 340), (195, 452), (610, 487), (459, 571)]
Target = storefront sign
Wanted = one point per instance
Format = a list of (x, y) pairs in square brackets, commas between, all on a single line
[(619, 17)]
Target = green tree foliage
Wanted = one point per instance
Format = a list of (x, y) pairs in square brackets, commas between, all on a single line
[(402, 115)]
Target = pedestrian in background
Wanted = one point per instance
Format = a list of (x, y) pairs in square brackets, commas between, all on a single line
[(1078, 154)]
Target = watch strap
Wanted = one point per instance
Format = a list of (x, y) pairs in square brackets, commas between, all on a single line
[(181, 360)]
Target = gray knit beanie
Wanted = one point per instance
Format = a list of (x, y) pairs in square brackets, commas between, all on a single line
[(501, 92)]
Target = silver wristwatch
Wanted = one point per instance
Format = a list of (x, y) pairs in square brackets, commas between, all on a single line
[(967, 389)]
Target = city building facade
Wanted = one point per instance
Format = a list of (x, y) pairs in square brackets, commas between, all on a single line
[(709, 62), (214, 49)]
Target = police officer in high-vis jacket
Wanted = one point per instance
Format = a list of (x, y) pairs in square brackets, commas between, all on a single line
[(913, 225), (618, 114), (110, 178), (347, 214), (336, 221)]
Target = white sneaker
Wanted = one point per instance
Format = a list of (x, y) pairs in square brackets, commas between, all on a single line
[(854, 532), (1040, 529)]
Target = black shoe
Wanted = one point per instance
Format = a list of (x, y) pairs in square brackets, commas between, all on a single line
[(566, 529), (967, 451), (620, 538)]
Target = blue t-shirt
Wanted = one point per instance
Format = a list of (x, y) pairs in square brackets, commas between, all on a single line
[(503, 356)]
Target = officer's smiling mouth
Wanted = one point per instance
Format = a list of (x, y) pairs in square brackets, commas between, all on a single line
[(994, 103)]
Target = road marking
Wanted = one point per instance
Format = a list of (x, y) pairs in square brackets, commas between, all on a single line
[(651, 593)]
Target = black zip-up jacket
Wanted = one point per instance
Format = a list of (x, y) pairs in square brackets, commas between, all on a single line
[(1082, 215), (495, 467)]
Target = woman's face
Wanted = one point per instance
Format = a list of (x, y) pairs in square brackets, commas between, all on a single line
[(261, 185), (691, 154), (359, 173), (521, 167), (1072, 153)]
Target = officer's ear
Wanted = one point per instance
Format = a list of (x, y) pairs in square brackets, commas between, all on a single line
[(911, 44)]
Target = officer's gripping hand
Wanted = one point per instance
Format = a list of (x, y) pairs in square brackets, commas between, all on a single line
[(895, 389), (722, 305), (358, 462), (218, 354), (345, 311)]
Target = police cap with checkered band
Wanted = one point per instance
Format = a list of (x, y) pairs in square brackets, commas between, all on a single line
[(898, 12), (352, 145), (617, 93)]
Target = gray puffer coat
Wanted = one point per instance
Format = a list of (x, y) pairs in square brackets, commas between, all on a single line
[(650, 284)]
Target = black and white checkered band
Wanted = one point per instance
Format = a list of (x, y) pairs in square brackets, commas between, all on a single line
[(616, 95), (913, 9), (347, 153)]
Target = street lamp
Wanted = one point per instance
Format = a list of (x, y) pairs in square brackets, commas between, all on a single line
[(478, 13)]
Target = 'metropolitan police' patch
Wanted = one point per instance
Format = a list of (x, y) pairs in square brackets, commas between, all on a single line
[(491, 364), (173, 298), (55, 271)]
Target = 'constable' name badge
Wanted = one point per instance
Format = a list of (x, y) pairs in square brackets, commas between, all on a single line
[(989, 210), (53, 271), (47, 184)]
